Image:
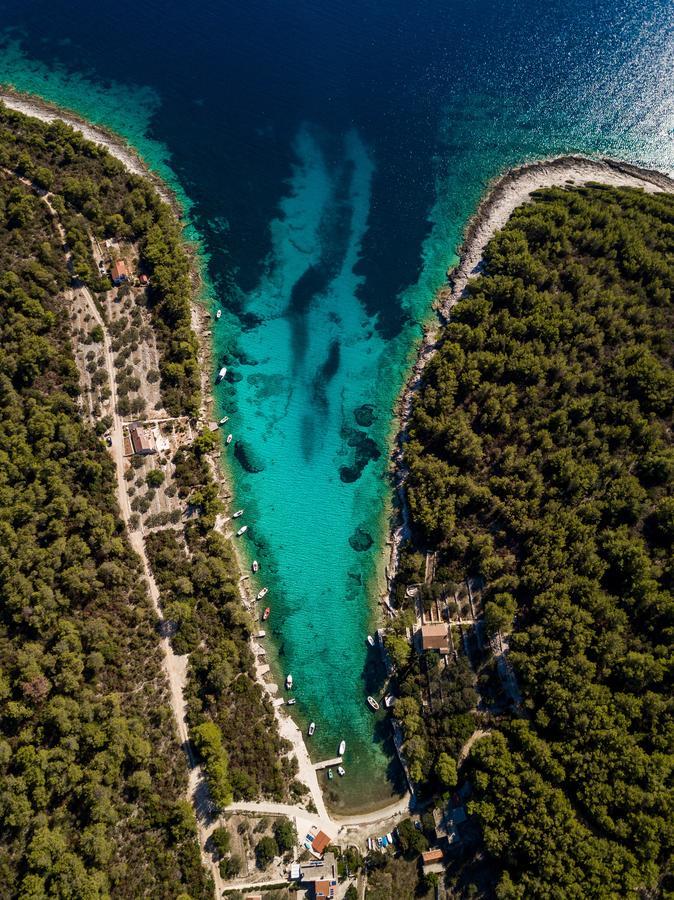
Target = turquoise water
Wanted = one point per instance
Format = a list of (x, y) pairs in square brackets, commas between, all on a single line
[(328, 160)]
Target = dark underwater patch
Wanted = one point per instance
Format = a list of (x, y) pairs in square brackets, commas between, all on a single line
[(366, 450), (361, 540), (247, 458), (364, 415)]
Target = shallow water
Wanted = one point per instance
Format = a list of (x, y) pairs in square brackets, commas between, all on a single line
[(329, 157)]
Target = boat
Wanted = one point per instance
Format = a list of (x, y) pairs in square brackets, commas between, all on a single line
[(255, 566), (261, 634), (221, 374), (389, 700), (331, 774), (263, 593), (340, 771), (373, 703), (312, 728), (265, 614), (370, 640), (291, 702), (229, 439), (342, 748), (218, 314), (238, 513), (289, 682), (223, 420), (389, 838), (242, 530)]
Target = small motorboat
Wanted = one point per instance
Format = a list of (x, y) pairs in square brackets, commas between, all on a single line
[(291, 702), (370, 640), (218, 314), (265, 614), (263, 593), (223, 420), (242, 530), (312, 728), (289, 682), (340, 771), (389, 700), (342, 748), (221, 374), (261, 634), (238, 513), (229, 439), (256, 566), (331, 774), (373, 703)]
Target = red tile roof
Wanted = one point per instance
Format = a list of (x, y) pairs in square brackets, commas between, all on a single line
[(320, 843), (431, 856), (119, 270), (435, 637)]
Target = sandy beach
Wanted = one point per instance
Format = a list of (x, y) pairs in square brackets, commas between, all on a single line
[(502, 197)]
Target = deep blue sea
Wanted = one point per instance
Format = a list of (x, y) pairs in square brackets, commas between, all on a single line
[(328, 155)]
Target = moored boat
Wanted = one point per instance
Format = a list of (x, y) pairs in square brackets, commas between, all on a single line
[(340, 771), (218, 314), (238, 513), (389, 700), (229, 439), (312, 728), (342, 748), (221, 374), (255, 566), (370, 640), (265, 614), (373, 703), (263, 593), (291, 702), (242, 530), (331, 774), (223, 420), (289, 682)]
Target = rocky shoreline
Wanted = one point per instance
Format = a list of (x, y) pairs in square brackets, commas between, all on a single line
[(502, 197)]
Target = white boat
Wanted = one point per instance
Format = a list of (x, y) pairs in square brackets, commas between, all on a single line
[(223, 420), (255, 566), (342, 748), (242, 530), (389, 700), (373, 703), (229, 439), (218, 314), (221, 374), (261, 634), (340, 771), (312, 728), (238, 513), (263, 593), (370, 640), (291, 702), (289, 682)]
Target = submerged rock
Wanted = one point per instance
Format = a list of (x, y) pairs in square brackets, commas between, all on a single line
[(364, 415), (361, 540), (247, 458)]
